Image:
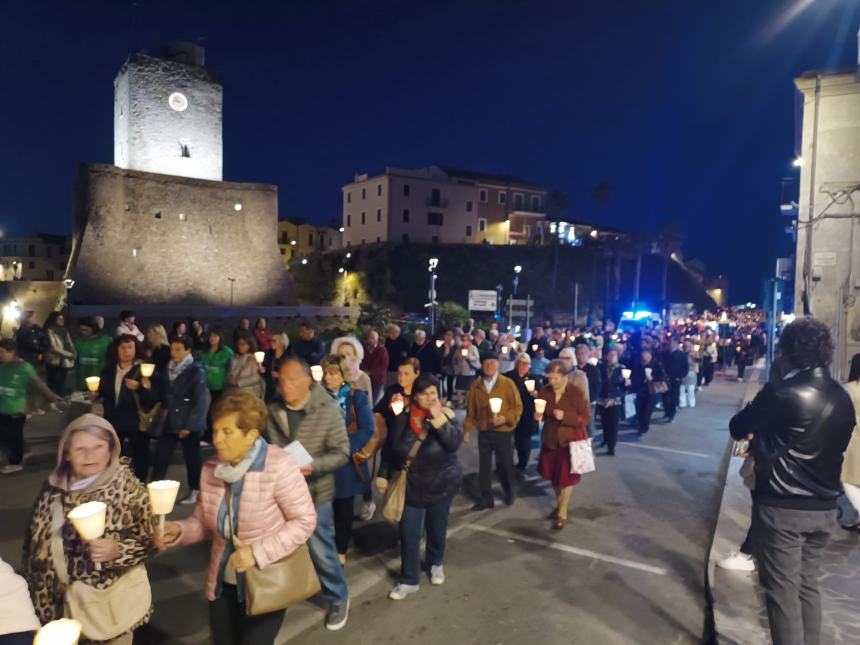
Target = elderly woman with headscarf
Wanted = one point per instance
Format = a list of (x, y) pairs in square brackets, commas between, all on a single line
[(350, 348), (89, 469), (270, 515)]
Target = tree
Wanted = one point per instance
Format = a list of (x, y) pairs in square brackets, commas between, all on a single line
[(451, 314), (374, 316), (668, 243), (601, 194)]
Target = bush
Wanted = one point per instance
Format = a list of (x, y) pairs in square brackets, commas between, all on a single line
[(450, 315)]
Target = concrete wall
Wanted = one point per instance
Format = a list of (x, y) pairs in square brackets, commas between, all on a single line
[(148, 133), (834, 293), (143, 238)]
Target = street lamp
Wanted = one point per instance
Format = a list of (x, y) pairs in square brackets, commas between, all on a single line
[(232, 282), (434, 262), (517, 270), (798, 162)]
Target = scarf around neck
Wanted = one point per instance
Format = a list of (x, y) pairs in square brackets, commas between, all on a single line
[(231, 474), (175, 369)]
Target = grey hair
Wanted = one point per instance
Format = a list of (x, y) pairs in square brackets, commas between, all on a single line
[(420, 332)]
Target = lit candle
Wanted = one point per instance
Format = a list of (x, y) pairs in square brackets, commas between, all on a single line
[(464, 352), (530, 384), (162, 497), (552, 343), (260, 356), (317, 372), (64, 631), (89, 521), (439, 343), (495, 405), (397, 407), (505, 350), (593, 360), (648, 373), (93, 383), (534, 348), (147, 369), (540, 405), (696, 348), (626, 372)]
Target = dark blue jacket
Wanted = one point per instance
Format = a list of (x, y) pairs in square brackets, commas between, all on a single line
[(350, 480), (186, 400)]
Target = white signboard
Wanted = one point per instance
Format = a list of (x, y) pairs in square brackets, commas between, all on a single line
[(482, 300)]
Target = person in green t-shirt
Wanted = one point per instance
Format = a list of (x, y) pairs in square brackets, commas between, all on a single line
[(92, 349), (16, 376), (216, 360)]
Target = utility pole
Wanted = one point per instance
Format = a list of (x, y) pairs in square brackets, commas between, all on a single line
[(434, 262), (232, 282)]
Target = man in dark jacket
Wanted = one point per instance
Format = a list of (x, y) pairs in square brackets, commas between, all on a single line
[(398, 350), (308, 347), (595, 379), (645, 373), (677, 366), (426, 353), (186, 399), (29, 339), (526, 426), (798, 429)]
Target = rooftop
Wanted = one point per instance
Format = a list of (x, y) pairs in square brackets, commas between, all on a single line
[(489, 178)]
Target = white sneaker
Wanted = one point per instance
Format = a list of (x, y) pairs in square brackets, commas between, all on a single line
[(737, 561), (401, 591), (11, 468), (437, 575), (192, 498), (367, 511)]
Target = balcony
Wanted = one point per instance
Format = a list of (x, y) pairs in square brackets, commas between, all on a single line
[(436, 203)]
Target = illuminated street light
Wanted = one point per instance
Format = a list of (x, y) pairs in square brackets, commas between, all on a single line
[(292, 243), (517, 269), (348, 255), (340, 229), (594, 234), (798, 162), (340, 270), (434, 262), (304, 260), (68, 283)]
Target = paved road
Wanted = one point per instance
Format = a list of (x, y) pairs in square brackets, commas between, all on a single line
[(628, 568)]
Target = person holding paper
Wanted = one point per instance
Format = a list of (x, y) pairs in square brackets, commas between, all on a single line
[(495, 428), (565, 419), (273, 515), (89, 469), (309, 416)]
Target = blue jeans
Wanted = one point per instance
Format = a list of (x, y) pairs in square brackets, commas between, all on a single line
[(412, 526), (324, 556)]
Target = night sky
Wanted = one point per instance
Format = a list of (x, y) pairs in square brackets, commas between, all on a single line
[(685, 108)]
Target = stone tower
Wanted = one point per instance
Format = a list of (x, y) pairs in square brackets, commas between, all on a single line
[(160, 227)]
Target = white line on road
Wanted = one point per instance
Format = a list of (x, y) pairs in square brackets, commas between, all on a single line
[(675, 450), (630, 564)]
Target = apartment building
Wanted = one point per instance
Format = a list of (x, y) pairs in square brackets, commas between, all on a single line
[(441, 205), (38, 258), (299, 239)]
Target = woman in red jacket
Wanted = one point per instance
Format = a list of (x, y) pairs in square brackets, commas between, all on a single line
[(565, 419)]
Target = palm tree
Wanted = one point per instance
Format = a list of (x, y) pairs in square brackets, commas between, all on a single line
[(668, 243)]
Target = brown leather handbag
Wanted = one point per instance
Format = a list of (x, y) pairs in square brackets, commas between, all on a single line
[(286, 582), (380, 434)]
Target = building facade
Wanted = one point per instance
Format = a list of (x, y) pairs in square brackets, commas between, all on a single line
[(441, 205), (40, 258), (160, 227), (827, 273), (299, 239)]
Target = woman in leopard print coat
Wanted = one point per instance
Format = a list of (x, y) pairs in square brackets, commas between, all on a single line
[(88, 469)]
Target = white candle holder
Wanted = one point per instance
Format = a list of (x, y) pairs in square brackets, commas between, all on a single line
[(260, 357), (540, 406), (317, 372), (89, 521), (147, 369), (93, 383), (64, 631), (162, 499), (495, 405), (530, 384), (626, 372), (397, 407)]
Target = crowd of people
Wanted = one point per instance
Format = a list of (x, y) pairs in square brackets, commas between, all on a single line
[(365, 415)]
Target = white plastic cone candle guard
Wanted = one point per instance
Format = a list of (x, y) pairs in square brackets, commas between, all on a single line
[(495, 405), (64, 631), (260, 356), (540, 406), (162, 496), (89, 521), (397, 407), (147, 369), (439, 343), (317, 372), (626, 372), (530, 385), (464, 352), (93, 383)]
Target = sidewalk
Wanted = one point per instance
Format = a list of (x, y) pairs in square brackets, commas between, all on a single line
[(738, 602)]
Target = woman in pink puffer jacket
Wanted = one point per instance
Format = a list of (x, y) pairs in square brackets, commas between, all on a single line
[(273, 516)]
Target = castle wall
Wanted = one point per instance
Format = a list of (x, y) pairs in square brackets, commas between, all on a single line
[(144, 238)]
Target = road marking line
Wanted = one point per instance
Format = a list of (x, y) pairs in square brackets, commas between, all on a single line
[(630, 564), (675, 450)]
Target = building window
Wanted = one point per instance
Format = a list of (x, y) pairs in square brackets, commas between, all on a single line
[(434, 219), (518, 201), (378, 214), (468, 207), (349, 198), (503, 197), (468, 231), (363, 193), (50, 276), (363, 218), (135, 252), (184, 150), (32, 265), (379, 190), (435, 197), (406, 237), (363, 240), (157, 214), (482, 225), (31, 250), (283, 251), (535, 203), (348, 221), (50, 251), (183, 217), (435, 239), (378, 239), (482, 195), (310, 239), (405, 215), (406, 190)]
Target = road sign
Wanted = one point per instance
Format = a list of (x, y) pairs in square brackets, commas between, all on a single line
[(482, 300)]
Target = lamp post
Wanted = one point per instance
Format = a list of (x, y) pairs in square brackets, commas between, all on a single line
[(232, 282), (434, 262), (517, 270)]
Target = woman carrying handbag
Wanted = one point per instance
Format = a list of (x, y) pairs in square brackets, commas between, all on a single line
[(421, 446), (255, 505)]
